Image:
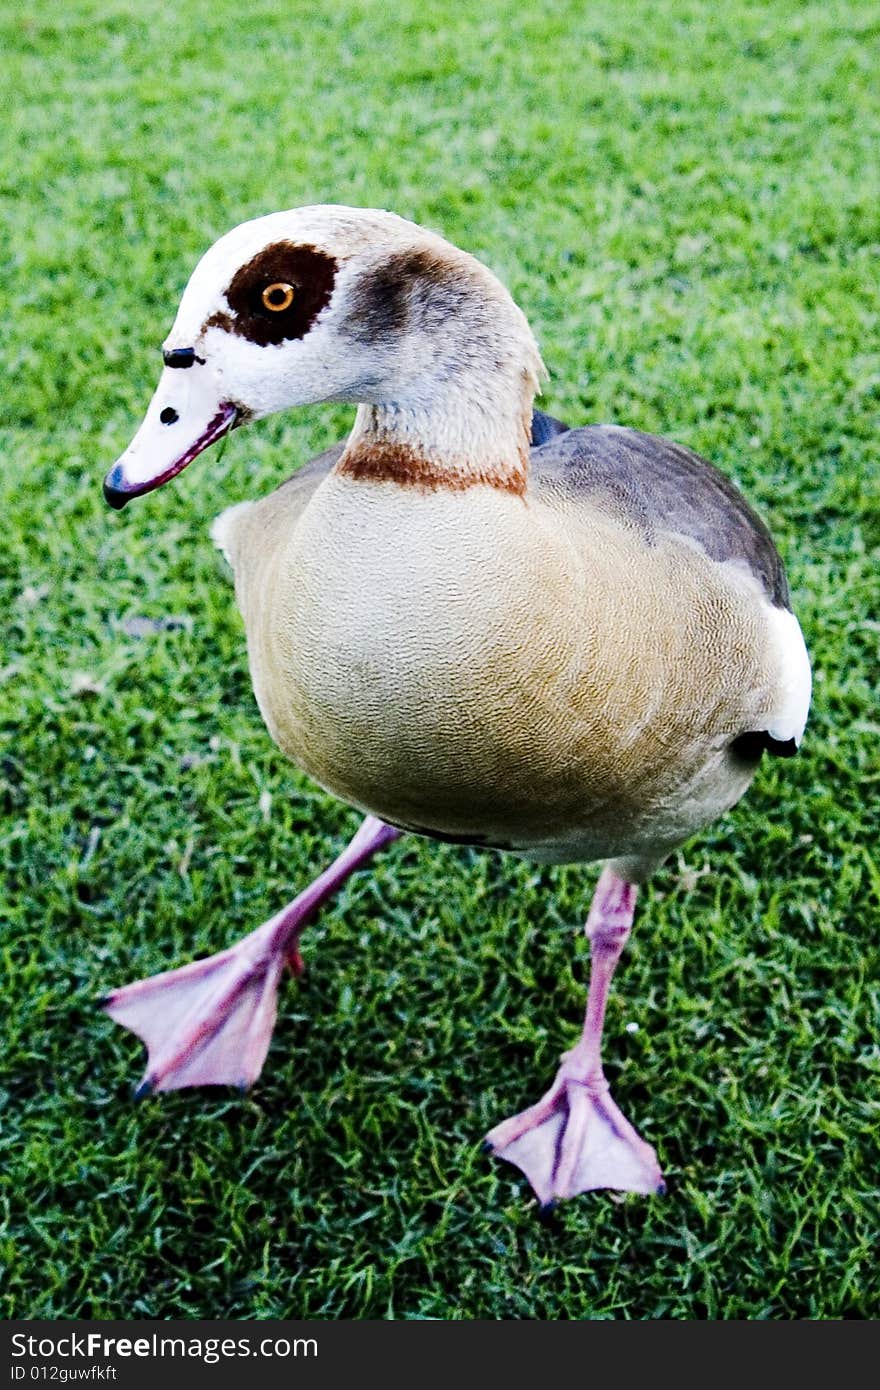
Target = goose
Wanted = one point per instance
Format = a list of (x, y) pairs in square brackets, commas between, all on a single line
[(467, 621)]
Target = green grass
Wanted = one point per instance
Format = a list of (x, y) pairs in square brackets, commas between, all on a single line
[(685, 200)]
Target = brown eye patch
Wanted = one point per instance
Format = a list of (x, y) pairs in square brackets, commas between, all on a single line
[(310, 273)]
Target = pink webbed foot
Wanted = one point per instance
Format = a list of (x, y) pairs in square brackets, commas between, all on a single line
[(210, 1023), (574, 1140)]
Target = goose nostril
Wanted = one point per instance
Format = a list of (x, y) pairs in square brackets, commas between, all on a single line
[(169, 416), (180, 357)]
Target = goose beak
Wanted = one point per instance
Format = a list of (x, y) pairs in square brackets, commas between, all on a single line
[(186, 414)]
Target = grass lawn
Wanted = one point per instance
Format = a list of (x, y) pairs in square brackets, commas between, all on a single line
[(685, 200)]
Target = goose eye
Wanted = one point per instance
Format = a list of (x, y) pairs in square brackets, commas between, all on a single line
[(278, 297)]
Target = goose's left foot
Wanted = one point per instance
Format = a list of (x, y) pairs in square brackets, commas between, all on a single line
[(576, 1138)]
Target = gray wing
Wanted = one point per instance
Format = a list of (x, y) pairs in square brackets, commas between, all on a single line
[(662, 487)]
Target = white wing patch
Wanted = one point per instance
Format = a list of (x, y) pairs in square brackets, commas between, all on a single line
[(223, 526), (788, 713)]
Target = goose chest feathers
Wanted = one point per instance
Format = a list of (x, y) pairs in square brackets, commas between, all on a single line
[(467, 620)]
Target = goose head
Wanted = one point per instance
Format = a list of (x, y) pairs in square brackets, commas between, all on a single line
[(330, 303)]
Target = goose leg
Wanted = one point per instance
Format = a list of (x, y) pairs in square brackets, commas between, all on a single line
[(209, 1023), (575, 1138)]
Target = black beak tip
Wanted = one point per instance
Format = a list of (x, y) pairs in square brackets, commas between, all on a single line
[(114, 497)]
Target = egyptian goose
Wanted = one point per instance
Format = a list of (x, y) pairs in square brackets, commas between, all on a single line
[(576, 651)]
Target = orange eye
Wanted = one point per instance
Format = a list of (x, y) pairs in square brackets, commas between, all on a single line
[(278, 297)]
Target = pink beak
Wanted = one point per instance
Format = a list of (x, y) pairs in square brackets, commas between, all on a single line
[(186, 414)]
